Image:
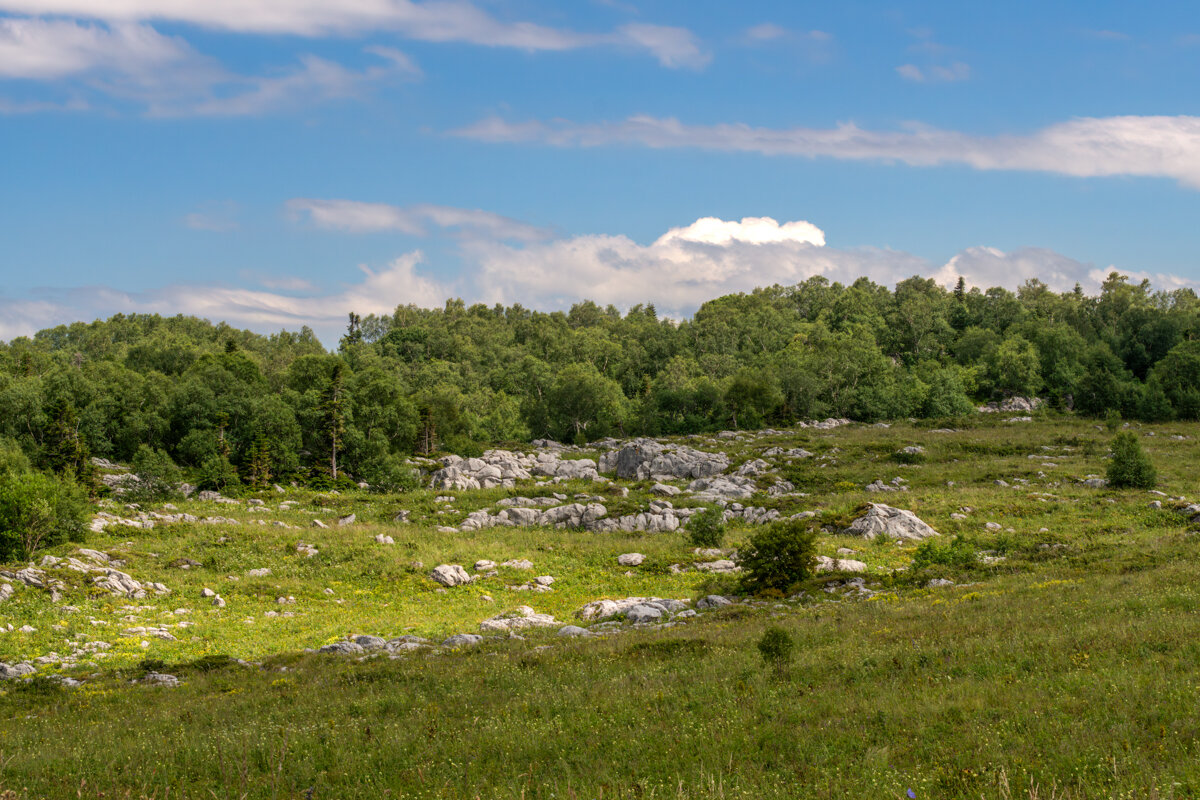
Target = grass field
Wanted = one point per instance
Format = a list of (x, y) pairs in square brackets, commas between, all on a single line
[(1063, 663)]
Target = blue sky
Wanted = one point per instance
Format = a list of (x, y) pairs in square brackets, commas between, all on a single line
[(277, 163)]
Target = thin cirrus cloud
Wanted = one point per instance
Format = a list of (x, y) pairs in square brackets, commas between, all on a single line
[(129, 61), (677, 272), (352, 216), (1145, 146), (434, 21), (937, 73)]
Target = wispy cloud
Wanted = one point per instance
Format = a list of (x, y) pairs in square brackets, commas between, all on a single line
[(1149, 146), (434, 21), (132, 62), (958, 71), (352, 216)]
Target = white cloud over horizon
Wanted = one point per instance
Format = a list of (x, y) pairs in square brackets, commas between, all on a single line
[(677, 272), (1143, 146)]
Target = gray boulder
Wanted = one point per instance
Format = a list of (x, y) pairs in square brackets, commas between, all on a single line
[(463, 640), (894, 523), (644, 613), (630, 559), (450, 575)]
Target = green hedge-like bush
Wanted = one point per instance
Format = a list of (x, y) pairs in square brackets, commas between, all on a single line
[(39, 510), (778, 557), (1130, 467)]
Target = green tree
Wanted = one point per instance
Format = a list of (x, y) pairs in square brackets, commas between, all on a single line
[(1130, 467), (777, 557)]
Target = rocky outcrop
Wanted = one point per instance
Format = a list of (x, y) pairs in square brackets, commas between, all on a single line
[(522, 617), (605, 609), (894, 523), (647, 459)]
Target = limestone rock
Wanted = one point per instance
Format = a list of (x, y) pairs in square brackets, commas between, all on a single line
[(895, 523), (450, 575), (522, 617), (630, 559), (463, 640)]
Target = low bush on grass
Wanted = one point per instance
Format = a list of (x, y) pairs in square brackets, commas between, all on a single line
[(778, 557), (39, 510), (958, 552), (707, 529), (1130, 467)]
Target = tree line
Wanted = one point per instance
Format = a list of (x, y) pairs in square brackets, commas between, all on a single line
[(233, 406)]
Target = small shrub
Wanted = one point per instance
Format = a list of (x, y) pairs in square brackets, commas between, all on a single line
[(218, 474), (158, 477), (39, 510), (707, 529), (776, 646), (1112, 420), (1130, 467), (959, 552), (778, 557)]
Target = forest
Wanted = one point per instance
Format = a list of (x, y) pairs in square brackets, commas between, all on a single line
[(230, 406)]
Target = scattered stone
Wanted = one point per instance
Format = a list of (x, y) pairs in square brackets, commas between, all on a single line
[(450, 575), (261, 572), (462, 640), (159, 679), (721, 567), (644, 613), (6, 591), (630, 559), (381, 538), (522, 617), (319, 524), (712, 601), (349, 519), (937, 582), (342, 648), (574, 630), (665, 490), (307, 550), (992, 526), (206, 592), (219, 601), (484, 565), (827, 564), (518, 563)]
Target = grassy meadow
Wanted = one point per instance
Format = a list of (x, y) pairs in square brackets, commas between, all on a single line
[(1061, 664)]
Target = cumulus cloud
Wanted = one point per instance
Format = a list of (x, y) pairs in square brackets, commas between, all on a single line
[(353, 216), (677, 272), (433, 21), (1150, 146)]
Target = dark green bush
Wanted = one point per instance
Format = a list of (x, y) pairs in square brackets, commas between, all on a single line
[(158, 477), (958, 552), (776, 646), (39, 510), (1130, 467), (707, 529), (778, 557), (218, 474)]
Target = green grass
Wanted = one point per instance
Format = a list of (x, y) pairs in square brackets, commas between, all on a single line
[(1064, 669)]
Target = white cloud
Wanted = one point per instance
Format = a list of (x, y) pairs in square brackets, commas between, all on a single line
[(133, 62), (677, 272), (1150, 146), (352, 216), (958, 71), (673, 47), (434, 21), (751, 230), (314, 80), (49, 49), (376, 292)]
